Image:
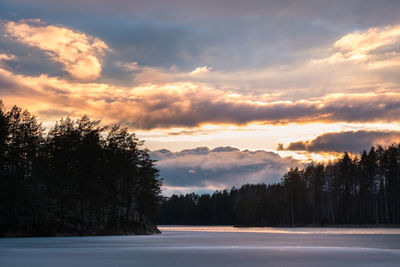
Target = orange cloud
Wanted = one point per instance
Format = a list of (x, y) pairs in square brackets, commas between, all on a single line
[(372, 47), (6, 57), (78, 52), (188, 104)]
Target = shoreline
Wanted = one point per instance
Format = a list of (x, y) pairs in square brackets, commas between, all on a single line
[(289, 226), (327, 226)]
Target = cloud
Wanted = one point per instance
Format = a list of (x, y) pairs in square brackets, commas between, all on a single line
[(4, 58), (128, 66), (224, 34), (361, 61), (340, 11), (350, 141), (201, 70), (189, 104), (164, 98), (376, 47), (219, 168), (7, 57), (78, 52)]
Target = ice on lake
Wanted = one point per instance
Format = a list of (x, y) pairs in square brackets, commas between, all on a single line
[(212, 246)]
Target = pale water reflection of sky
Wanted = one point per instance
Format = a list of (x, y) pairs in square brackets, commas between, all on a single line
[(281, 230)]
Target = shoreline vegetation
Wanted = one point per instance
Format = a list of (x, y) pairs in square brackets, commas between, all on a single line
[(351, 190), (78, 178), (143, 227)]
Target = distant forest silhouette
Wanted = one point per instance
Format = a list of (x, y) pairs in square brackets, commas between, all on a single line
[(79, 178), (360, 190)]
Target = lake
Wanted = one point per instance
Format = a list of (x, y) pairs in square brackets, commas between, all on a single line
[(212, 246)]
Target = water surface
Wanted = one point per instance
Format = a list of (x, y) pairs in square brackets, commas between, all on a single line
[(212, 246), (282, 230)]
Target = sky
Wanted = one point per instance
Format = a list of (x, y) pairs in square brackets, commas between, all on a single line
[(223, 92)]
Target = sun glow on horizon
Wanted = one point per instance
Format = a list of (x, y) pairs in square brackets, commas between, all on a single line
[(197, 93)]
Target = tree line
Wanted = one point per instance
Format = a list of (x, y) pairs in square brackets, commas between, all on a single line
[(76, 178), (364, 189)]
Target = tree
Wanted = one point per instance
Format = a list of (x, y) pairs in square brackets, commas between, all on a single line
[(348, 190), (73, 180)]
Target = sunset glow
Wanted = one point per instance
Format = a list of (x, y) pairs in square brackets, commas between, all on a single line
[(245, 81)]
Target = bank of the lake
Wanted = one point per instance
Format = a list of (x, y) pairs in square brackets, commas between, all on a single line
[(212, 246)]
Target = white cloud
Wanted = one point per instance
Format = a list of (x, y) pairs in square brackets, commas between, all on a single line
[(201, 70), (221, 167), (375, 47)]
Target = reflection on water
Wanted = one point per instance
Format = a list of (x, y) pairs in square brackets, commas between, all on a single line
[(279, 230)]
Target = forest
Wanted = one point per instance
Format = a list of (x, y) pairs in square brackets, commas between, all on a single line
[(82, 178), (362, 189), (77, 178)]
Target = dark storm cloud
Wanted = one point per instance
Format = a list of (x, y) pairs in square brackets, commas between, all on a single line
[(355, 142), (220, 167)]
